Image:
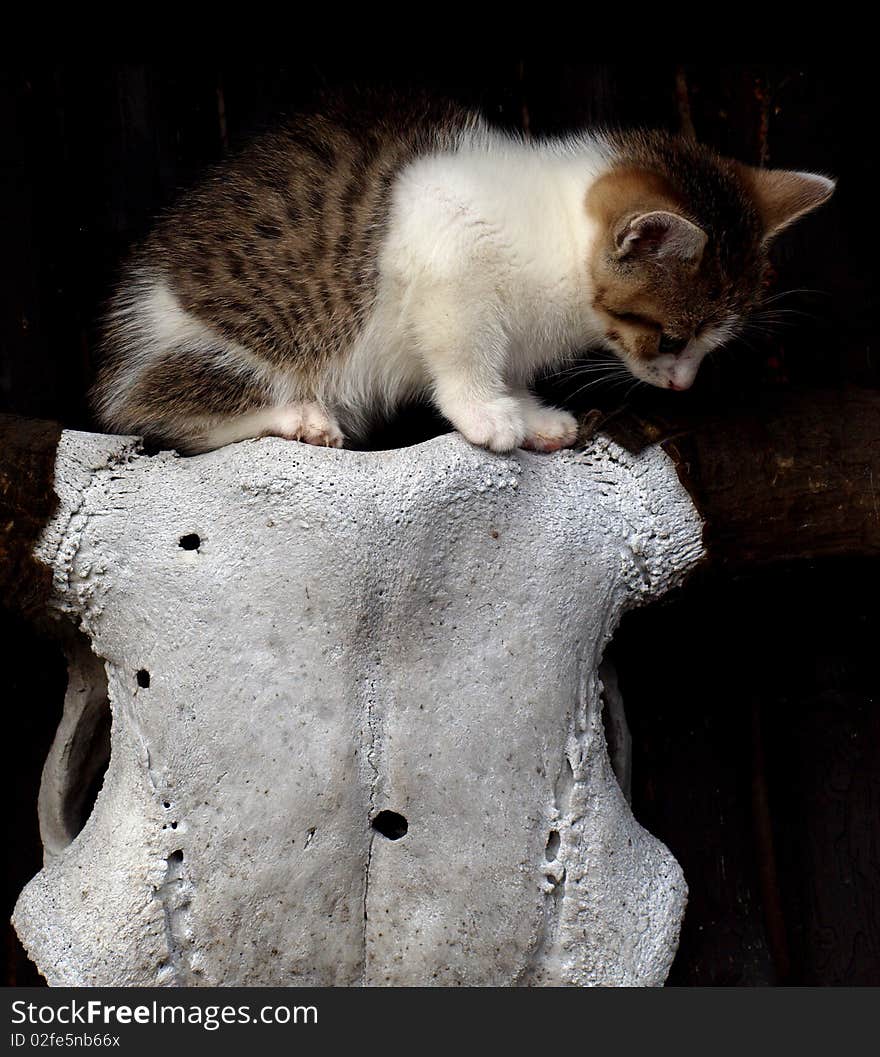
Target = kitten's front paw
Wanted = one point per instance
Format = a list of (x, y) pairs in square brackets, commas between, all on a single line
[(497, 425), (549, 429)]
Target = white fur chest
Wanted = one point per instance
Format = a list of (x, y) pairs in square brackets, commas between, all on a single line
[(502, 223)]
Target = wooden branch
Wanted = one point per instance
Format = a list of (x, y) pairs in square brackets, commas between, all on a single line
[(787, 478), (27, 501)]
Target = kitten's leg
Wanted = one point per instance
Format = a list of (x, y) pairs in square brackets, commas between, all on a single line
[(306, 421), (464, 352), (547, 428), (489, 419), (472, 394), (200, 396)]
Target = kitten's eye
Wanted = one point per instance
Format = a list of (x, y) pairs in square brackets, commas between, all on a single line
[(670, 346)]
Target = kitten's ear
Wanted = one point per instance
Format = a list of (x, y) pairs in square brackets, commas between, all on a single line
[(782, 196), (660, 236)]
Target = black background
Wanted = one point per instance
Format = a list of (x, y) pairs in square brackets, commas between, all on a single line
[(752, 701)]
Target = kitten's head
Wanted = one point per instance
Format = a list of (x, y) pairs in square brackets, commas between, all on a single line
[(681, 253)]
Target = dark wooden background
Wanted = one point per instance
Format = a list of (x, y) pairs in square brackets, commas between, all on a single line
[(752, 699)]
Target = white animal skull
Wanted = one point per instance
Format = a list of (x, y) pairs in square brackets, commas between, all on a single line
[(328, 635)]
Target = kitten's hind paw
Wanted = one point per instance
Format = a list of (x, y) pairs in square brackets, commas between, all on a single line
[(320, 427), (549, 429), (307, 422)]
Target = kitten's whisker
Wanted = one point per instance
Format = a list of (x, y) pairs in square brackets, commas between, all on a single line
[(632, 388), (791, 293), (597, 381), (750, 347), (771, 326), (591, 369), (778, 313), (620, 382), (587, 366)]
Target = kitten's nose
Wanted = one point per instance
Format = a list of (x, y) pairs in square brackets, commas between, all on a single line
[(683, 374)]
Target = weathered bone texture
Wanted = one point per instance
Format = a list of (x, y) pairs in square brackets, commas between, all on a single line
[(416, 631)]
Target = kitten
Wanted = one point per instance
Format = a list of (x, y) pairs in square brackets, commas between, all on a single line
[(348, 262)]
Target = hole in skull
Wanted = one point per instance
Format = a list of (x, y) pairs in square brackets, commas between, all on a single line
[(86, 753), (191, 541), (143, 678), (175, 856), (81, 799), (552, 849), (617, 735), (390, 824)]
